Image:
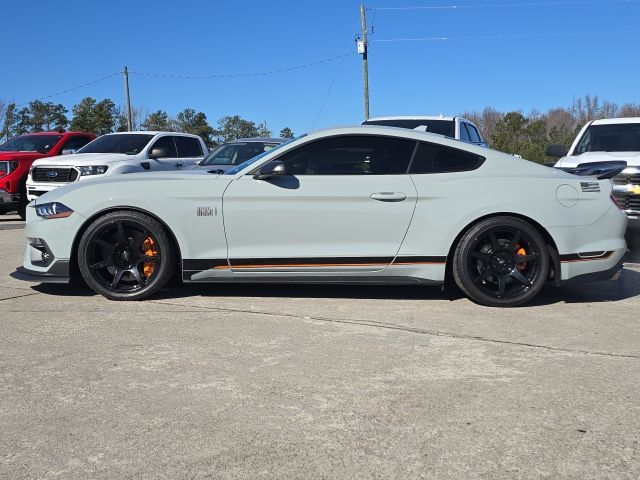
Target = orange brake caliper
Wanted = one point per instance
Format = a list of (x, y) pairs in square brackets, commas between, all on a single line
[(521, 251), (149, 249)]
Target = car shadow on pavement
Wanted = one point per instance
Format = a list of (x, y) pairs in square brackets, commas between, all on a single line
[(627, 286)]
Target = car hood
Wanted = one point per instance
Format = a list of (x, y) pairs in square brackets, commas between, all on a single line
[(129, 183), (632, 158), (20, 155), (84, 159)]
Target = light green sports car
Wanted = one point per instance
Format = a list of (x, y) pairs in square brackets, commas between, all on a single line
[(366, 204)]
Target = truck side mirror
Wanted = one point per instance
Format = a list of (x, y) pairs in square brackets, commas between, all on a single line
[(69, 151), (156, 153), (557, 151)]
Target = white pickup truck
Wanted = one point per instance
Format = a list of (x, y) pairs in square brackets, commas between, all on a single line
[(116, 153), (609, 140)]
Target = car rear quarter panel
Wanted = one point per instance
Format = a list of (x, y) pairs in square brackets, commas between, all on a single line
[(449, 202)]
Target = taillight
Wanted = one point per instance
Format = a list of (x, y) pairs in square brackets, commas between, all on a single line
[(7, 167), (615, 200)]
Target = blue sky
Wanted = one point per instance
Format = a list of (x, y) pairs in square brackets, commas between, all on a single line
[(53, 48)]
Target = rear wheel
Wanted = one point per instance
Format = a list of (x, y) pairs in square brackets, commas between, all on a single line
[(125, 256), (501, 262)]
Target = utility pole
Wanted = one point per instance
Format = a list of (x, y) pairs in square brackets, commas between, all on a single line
[(127, 100), (365, 62)]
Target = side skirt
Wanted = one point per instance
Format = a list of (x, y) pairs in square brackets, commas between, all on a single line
[(343, 280)]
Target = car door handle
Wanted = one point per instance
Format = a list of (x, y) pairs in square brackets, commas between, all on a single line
[(389, 196), (179, 165)]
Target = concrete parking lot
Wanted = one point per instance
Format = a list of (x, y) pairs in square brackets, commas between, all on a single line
[(316, 382)]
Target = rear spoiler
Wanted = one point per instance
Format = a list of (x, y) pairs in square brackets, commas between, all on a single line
[(602, 170)]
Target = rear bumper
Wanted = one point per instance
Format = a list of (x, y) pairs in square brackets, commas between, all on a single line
[(611, 274)]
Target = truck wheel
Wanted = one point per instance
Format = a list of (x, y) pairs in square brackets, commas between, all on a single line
[(501, 262), (22, 203), (125, 255)]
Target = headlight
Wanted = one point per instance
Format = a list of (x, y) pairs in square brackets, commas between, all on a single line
[(93, 170), (53, 210)]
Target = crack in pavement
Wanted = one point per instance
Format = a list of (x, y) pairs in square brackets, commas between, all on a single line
[(404, 328), (20, 296)]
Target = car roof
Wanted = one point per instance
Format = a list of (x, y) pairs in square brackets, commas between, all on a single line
[(614, 121), (153, 132), (53, 133), (414, 117), (395, 132), (259, 139)]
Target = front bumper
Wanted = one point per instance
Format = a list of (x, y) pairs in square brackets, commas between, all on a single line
[(57, 273)]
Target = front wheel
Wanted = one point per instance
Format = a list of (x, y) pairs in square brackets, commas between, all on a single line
[(501, 262), (125, 255)]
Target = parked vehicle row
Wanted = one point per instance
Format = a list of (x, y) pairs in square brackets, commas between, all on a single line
[(366, 204), (114, 154), (18, 154)]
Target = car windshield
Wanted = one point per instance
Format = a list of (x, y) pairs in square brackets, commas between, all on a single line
[(442, 127), (246, 163), (130, 144), (237, 152), (624, 137), (31, 143)]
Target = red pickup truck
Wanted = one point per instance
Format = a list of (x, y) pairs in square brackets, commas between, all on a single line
[(17, 155)]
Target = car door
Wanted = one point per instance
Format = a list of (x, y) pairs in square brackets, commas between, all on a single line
[(170, 160), (189, 151), (344, 205)]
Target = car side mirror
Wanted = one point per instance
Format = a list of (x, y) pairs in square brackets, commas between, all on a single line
[(69, 151), (557, 151), (274, 168), (156, 153)]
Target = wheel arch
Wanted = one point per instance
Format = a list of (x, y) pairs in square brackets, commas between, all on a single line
[(554, 274), (74, 271)]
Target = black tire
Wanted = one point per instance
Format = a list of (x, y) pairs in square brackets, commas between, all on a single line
[(501, 262), (125, 255), (22, 203)]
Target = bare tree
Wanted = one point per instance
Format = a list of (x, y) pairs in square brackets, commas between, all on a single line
[(629, 110)]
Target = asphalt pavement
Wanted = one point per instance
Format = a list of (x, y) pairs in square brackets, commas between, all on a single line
[(316, 382)]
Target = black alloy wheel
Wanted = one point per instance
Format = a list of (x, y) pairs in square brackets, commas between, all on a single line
[(125, 256), (501, 262)]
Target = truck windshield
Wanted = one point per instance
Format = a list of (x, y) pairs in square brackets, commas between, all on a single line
[(623, 137), (130, 144), (442, 127), (31, 143)]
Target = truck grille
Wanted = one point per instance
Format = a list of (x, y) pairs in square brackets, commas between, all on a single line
[(54, 175), (627, 202), (627, 178)]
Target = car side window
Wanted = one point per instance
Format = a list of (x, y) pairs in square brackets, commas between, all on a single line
[(168, 144), (431, 158), (188, 147), (75, 143), (464, 134), (350, 155), (473, 133)]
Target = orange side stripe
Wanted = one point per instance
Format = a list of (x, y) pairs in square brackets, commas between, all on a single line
[(305, 265)]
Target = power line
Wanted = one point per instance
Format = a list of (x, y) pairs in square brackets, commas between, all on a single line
[(236, 75), (494, 37), (87, 84), (507, 5)]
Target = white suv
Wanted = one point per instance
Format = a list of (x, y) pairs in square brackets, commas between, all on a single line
[(116, 153), (452, 127)]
